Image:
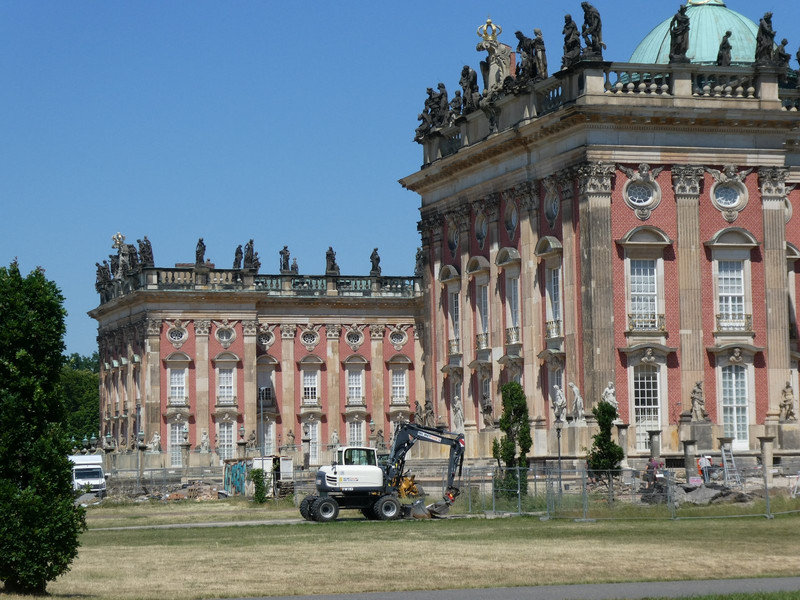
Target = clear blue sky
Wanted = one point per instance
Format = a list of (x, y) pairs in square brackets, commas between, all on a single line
[(289, 123)]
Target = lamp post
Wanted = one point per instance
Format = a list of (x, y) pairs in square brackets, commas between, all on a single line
[(559, 426), (261, 421), (140, 447)]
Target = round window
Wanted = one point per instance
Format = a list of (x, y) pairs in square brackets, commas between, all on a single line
[(726, 196), (353, 337), (452, 239), (481, 227), (265, 339), (551, 207), (640, 194), (176, 335), (512, 218), (309, 337), (225, 335), (397, 337)]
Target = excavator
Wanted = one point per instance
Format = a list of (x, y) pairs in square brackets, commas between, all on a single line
[(357, 479)]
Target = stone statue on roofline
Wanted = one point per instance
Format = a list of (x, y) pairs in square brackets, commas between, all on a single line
[(765, 40), (469, 90), (331, 268), (146, 252), (572, 43), (679, 36), (782, 57), (724, 52), (284, 260), (237, 257), (592, 33), (526, 69), (375, 261), (200, 252), (539, 56), (497, 65)]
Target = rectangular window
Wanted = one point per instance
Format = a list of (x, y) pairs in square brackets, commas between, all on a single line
[(266, 391), (268, 438), (355, 388), (486, 389), (313, 448), (734, 403), (310, 386), (512, 299), (644, 294), (454, 316), (226, 440), (553, 283), (175, 438), (646, 405), (177, 385), (399, 394), (482, 301), (355, 433), (225, 386), (730, 290)]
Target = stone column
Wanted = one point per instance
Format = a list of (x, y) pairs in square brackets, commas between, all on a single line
[(767, 447), (689, 462), (597, 285), (686, 184), (773, 197), (655, 442)]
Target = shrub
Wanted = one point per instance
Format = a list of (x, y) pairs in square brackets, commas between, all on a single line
[(260, 489)]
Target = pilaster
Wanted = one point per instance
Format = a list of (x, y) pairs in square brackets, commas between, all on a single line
[(249, 331), (596, 278), (773, 198), (202, 409), (686, 180), (152, 387)]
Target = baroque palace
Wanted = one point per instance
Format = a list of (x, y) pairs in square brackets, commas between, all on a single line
[(608, 230)]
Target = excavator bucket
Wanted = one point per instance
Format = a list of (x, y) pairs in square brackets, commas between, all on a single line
[(438, 509), (419, 510)]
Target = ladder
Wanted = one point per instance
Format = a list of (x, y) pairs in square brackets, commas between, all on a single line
[(729, 467)]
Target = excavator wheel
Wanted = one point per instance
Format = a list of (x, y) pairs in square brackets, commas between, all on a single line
[(305, 506), (324, 510), (387, 508)]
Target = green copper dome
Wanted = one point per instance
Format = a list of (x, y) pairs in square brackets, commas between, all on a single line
[(708, 22)]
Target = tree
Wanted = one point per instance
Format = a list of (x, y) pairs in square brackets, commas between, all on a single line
[(514, 423), (80, 384), (40, 525), (605, 455)]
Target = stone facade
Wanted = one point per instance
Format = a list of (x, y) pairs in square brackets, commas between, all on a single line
[(611, 224)]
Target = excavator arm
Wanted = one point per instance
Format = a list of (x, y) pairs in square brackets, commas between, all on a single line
[(406, 436)]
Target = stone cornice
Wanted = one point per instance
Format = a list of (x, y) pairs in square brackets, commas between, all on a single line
[(591, 117)]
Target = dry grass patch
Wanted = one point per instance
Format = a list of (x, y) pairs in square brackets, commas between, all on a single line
[(356, 556), (124, 514)]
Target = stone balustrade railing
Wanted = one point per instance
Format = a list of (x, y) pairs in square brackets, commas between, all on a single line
[(209, 279), (586, 84)]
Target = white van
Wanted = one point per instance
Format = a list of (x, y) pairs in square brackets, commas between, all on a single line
[(87, 470)]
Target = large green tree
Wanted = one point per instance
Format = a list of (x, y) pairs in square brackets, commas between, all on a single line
[(40, 524), (80, 384)]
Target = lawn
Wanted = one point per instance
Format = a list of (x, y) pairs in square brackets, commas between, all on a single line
[(354, 555)]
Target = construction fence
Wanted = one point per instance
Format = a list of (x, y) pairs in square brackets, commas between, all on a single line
[(626, 493)]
